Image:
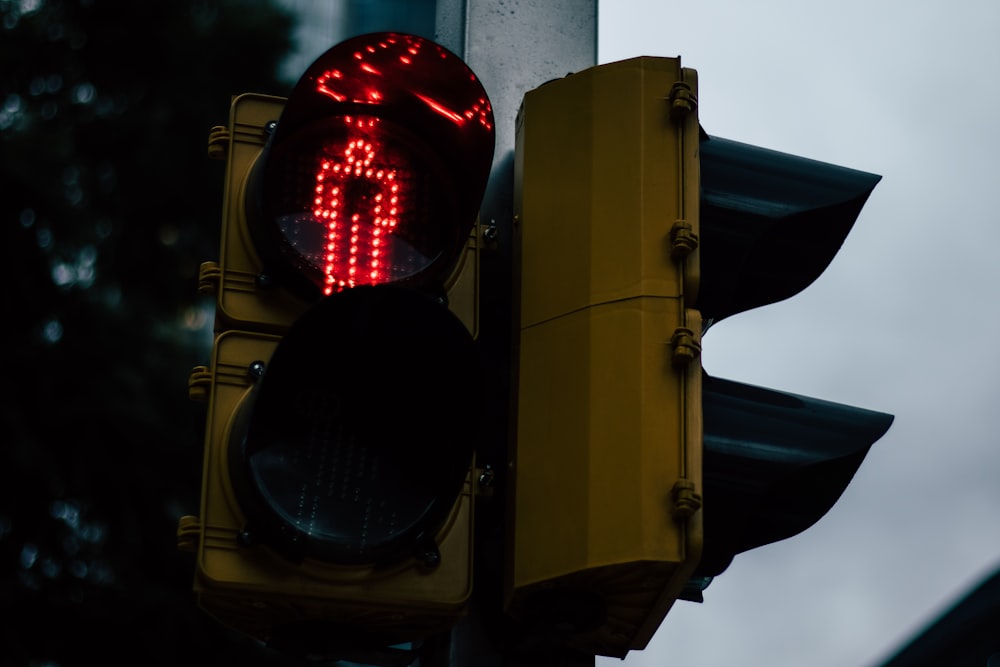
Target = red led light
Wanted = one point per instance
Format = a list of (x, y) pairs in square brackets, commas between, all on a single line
[(373, 78), (441, 109), (358, 251), (376, 168)]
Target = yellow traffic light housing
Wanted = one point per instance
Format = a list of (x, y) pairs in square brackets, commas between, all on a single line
[(635, 478), (606, 469), (248, 298), (337, 498)]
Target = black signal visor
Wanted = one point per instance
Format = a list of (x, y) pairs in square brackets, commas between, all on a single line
[(770, 223), (376, 169)]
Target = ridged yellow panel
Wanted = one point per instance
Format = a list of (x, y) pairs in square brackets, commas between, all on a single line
[(242, 304), (609, 419)]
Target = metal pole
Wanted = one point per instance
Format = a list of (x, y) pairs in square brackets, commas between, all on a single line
[(513, 46)]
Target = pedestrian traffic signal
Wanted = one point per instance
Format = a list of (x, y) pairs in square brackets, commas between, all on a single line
[(337, 497), (635, 478), (344, 386)]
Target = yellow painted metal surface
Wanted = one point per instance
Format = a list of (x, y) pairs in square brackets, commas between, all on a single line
[(241, 302), (252, 589), (608, 413)]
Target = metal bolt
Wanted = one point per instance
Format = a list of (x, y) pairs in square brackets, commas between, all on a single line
[(686, 500), (683, 240), (490, 232), (682, 101), (429, 557), (270, 126), (685, 347), (256, 370)]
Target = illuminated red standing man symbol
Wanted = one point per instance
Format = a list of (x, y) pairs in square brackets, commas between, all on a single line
[(357, 199), (376, 175)]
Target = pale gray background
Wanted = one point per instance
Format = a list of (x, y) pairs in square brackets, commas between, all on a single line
[(906, 319)]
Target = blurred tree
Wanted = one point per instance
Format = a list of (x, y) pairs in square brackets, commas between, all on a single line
[(109, 205)]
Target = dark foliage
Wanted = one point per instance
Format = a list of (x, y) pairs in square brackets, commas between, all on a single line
[(109, 205)]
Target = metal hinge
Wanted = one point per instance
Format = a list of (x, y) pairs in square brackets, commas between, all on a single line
[(218, 142), (684, 347), (199, 383), (188, 533), (683, 240), (209, 277), (682, 100), (686, 500)]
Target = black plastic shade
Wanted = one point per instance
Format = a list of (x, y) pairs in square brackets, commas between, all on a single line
[(770, 223), (774, 464)]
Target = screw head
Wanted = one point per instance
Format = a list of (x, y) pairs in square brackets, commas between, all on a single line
[(256, 369), (428, 556), (490, 233)]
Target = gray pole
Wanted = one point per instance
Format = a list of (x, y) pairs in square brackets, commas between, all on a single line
[(513, 46)]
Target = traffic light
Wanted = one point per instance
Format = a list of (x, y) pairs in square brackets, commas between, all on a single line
[(337, 497), (635, 477), (607, 471)]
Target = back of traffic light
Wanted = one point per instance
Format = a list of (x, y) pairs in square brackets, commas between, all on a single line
[(337, 493), (636, 478), (604, 527)]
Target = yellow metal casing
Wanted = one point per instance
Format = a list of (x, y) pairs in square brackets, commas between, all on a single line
[(242, 301), (251, 588), (256, 591), (606, 468)]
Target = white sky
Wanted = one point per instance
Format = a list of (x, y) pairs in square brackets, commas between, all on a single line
[(905, 320)]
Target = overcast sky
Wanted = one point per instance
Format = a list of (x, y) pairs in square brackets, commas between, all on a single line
[(906, 320)]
